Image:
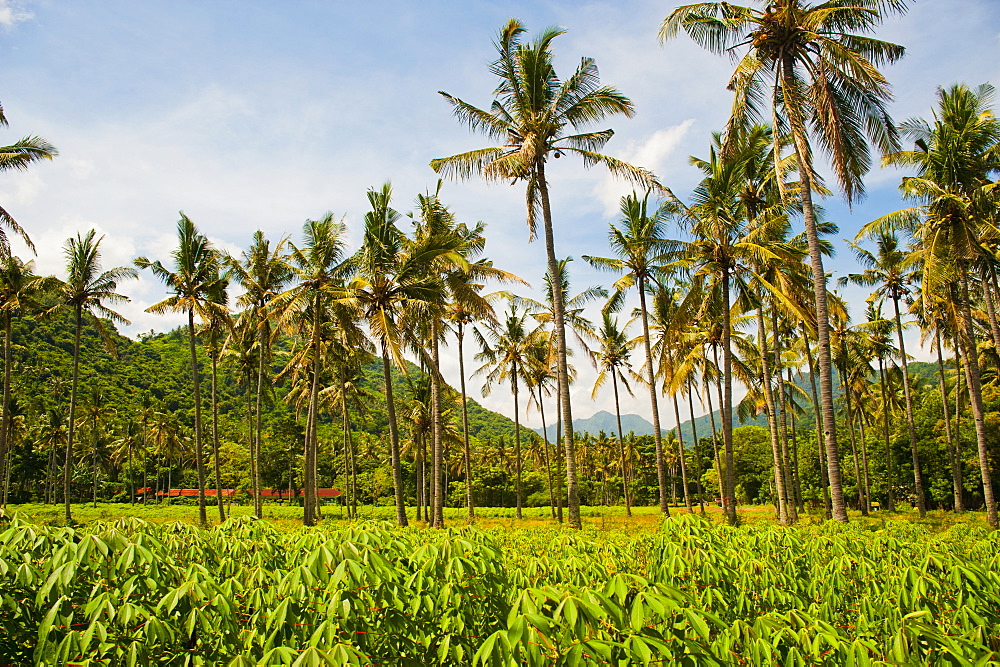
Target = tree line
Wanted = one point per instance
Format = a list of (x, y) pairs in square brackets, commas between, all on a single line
[(733, 296)]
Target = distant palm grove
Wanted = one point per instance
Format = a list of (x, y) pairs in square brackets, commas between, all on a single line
[(305, 364)]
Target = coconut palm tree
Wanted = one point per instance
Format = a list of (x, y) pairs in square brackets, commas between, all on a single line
[(263, 272), (215, 329), (85, 291), (815, 68), (612, 359), (504, 353), (891, 269), (537, 116), (956, 156), (643, 251), (396, 278), (196, 287), (20, 293), (321, 266)]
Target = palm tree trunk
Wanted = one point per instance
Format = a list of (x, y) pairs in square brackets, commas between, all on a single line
[(517, 434), (466, 447), (68, 462), (5, 409), (559, 492), (199, 460), (953, 459), (215, 431), (918, 482), (437, 468), (562, 372), (862, 503), (621, 443), (680, 453), (697, 454), (779, 473), (548, 457), (973, 379), (262, 339), (781, 417), (796, 470), (890, 502), (310, 499), (250, 439), (864, 459), (803, 155), (661, 469), (397, 471), (820, 443), (727, 402), (93, 461)]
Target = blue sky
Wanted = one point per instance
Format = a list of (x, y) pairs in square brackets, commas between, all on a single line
[(259, 115)]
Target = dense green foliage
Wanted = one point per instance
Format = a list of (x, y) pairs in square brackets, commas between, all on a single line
[(247, 593)]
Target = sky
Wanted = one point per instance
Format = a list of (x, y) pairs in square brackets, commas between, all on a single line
[(260, 115)]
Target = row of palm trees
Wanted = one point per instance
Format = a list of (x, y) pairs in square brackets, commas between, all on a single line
[(811, 72)]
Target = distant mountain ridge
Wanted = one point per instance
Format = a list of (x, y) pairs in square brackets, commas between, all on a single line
[(605, 421)]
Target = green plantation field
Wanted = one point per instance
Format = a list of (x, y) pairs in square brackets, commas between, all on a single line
[(254, 592)]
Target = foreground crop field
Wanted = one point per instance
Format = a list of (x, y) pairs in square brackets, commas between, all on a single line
[(252, 592)]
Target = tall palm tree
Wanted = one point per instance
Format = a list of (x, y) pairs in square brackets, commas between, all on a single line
[(504, 351), (394, 277), (96, 411), (892, 269), (321, 266), (723, 257), (537, 116), (263, 274), (612, 359), (214, 329), (85, 291), (20, 293), (196, 287), (540, 376), (18, 157), (815, 67), (956, 156), (643, 252)]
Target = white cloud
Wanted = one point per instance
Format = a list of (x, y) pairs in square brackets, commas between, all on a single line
[(652, 153), (12, 13)]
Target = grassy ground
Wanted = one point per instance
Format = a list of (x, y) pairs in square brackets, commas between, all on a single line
[(598, 518)]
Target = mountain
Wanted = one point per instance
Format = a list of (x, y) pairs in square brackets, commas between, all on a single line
[(605, 421)]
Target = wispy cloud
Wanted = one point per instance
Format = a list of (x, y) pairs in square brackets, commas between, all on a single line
[(653, 154), (12, 13)]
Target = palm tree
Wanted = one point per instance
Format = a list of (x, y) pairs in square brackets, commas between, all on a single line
[(394, 277), (215, 328), (643, 251), (85, 291), (18, 157), (97, 412), (531, 115), (504, 351), (891, 269), (612, 359), (955, 157), (723, 256), (20, 292), (263, 274), (540, 376), (196, 286), (321, 267), (821, 76)]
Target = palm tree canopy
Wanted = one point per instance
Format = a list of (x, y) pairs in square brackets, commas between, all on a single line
[(819, 62), (196, 281), (536, 115)]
